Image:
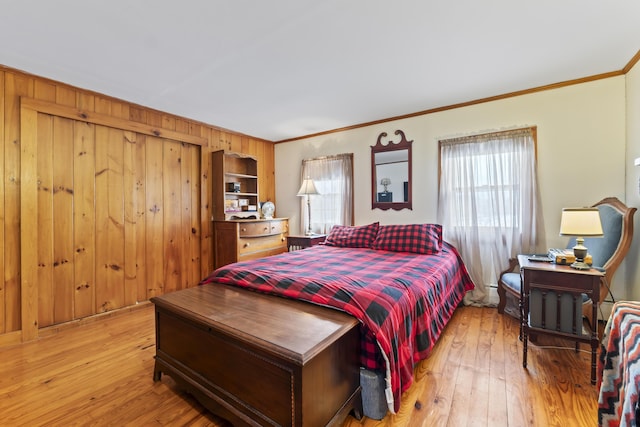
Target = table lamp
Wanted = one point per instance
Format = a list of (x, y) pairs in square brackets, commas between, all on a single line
[(306, 189), (580, 223)]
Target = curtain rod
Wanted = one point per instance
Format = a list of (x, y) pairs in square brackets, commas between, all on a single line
[(528, 130), (335, 156)]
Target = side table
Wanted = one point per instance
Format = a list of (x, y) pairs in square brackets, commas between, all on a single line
[(565, 286), (301, 242)]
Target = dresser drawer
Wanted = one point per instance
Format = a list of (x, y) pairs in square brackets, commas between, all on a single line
[(253, 229), (241, 239), (263, 228), (248, 245), (278, 227)]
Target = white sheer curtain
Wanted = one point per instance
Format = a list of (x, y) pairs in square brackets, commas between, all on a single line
[(333, 177), (489, 203)]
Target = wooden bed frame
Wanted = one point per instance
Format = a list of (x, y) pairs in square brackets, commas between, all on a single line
[(257, 359)]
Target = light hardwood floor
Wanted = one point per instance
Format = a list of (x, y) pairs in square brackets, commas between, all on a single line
[(100, 373)]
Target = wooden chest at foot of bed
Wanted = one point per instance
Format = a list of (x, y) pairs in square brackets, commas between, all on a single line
[(257, 359)]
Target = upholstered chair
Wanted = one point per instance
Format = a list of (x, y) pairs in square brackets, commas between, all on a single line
[(607, 253)]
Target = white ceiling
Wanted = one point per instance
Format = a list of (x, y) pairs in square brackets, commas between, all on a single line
[(280, 69)]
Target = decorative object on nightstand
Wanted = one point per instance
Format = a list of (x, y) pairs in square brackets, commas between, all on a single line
[(308, 188), (580, 222), (385, 182), (385, 196)]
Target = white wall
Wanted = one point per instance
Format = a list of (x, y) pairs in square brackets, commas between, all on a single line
[(632, 272), (581, 152)]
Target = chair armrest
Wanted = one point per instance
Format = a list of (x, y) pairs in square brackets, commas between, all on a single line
[(513, 263)]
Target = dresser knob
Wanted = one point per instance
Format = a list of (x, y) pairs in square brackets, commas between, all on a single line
[(244, 229), (246, 245)]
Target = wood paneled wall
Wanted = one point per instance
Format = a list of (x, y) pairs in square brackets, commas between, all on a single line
[(103, 203)]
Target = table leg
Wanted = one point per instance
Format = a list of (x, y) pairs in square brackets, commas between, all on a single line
[(524, 308)]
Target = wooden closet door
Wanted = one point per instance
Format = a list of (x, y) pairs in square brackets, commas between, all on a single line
[(117, 218)]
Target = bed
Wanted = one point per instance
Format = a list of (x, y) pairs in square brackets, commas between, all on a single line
[(619, 367), (402, 284)]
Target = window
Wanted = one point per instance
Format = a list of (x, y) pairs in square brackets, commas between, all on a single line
[(333, 177), (488, 200), (484, 187)]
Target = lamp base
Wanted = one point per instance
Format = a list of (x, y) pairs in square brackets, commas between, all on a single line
[(580, 265), (309, 233), (580, 252)]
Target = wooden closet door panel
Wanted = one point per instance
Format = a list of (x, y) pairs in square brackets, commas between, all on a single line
[(109, 219), (154, 218), (63, 192), (185, 220), (206, 225), (133, 225), (45, 220), (138, 207), (194, 231), (118, 217), (15, 86), (172, 230), (84, 219)]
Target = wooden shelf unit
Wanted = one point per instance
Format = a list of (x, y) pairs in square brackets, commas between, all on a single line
[(230, 167), (241, 235)]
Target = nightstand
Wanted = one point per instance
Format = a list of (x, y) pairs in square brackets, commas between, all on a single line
[(557, 290), (301, 242)]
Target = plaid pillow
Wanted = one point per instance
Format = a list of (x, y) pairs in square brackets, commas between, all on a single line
[(417, 238), (352, 236)]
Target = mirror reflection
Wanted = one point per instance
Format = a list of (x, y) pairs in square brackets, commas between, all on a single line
[(392, 170), (391, 173)]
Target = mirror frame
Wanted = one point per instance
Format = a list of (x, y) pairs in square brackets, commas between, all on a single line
[(379, 148)]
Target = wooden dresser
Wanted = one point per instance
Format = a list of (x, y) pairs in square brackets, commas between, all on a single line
[(244, 239), (259, 360)]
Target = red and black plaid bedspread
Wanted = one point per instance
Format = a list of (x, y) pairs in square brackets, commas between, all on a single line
[(402, 300)]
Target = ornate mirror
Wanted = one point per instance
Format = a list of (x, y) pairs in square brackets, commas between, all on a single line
[(391, 173)]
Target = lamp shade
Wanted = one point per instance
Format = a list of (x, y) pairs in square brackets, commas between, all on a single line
[(307, 188), (385, 181), (582, 222)]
